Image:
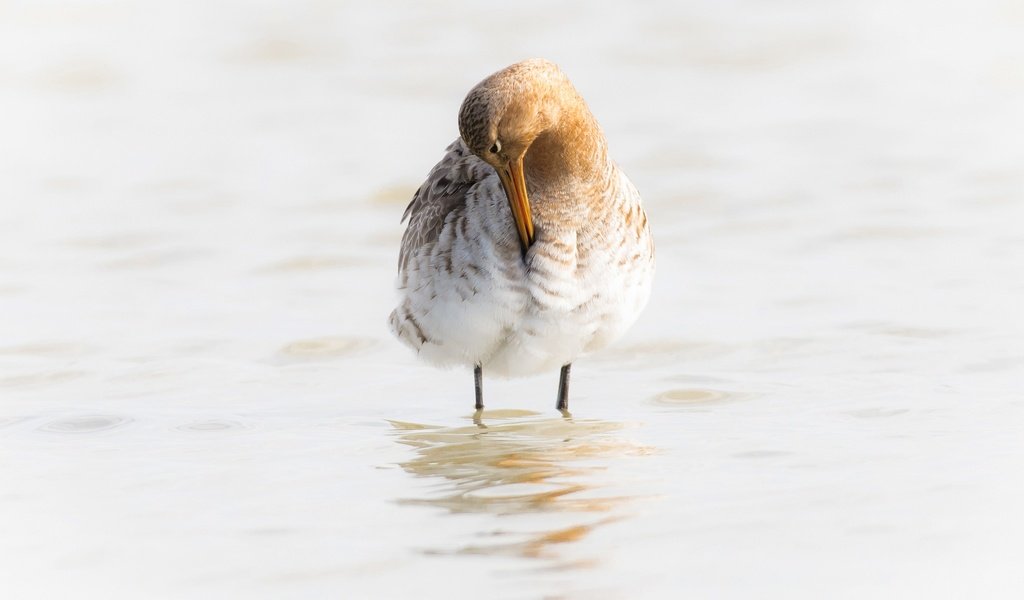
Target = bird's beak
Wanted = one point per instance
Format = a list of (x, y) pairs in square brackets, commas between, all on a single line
[(515, 189)]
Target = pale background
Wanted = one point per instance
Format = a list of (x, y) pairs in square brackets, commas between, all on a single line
[(199, 398)]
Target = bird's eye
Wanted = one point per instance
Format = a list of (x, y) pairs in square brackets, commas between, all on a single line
[(496, 148)]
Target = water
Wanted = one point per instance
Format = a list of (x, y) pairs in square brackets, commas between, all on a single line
[(199, 397)]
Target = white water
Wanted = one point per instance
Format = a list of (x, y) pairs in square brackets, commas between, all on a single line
[(199, 227)]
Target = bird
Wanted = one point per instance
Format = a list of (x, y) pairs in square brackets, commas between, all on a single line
[(526, 246)]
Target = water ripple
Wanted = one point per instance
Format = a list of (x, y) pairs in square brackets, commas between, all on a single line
[(85, 424), (213, 426), (326, 347), (694, 397)]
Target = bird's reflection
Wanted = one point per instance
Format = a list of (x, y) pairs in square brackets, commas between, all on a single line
[(519, 463)]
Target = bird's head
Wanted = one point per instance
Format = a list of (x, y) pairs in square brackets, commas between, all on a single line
[(503, 116)]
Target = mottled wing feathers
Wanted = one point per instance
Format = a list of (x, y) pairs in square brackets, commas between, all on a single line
[(443, 193)]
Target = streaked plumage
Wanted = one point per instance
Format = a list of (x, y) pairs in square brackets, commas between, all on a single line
[(476, 287)]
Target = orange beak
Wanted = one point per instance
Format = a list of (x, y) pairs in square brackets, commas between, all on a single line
[(515, 189)]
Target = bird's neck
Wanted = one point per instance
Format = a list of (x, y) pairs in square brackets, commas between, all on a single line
[(572, 153)]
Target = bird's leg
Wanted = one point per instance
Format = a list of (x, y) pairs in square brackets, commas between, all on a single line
[(478, 380), (563, 389)]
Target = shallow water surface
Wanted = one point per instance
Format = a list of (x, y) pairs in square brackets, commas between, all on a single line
[(199, 229)]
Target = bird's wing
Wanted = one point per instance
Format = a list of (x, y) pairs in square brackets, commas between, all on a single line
[(443, 193)]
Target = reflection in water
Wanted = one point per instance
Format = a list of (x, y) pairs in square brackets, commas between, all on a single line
[(511, 462)]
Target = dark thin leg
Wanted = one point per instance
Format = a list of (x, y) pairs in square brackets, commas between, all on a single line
[(478, 379), (563, 389)]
